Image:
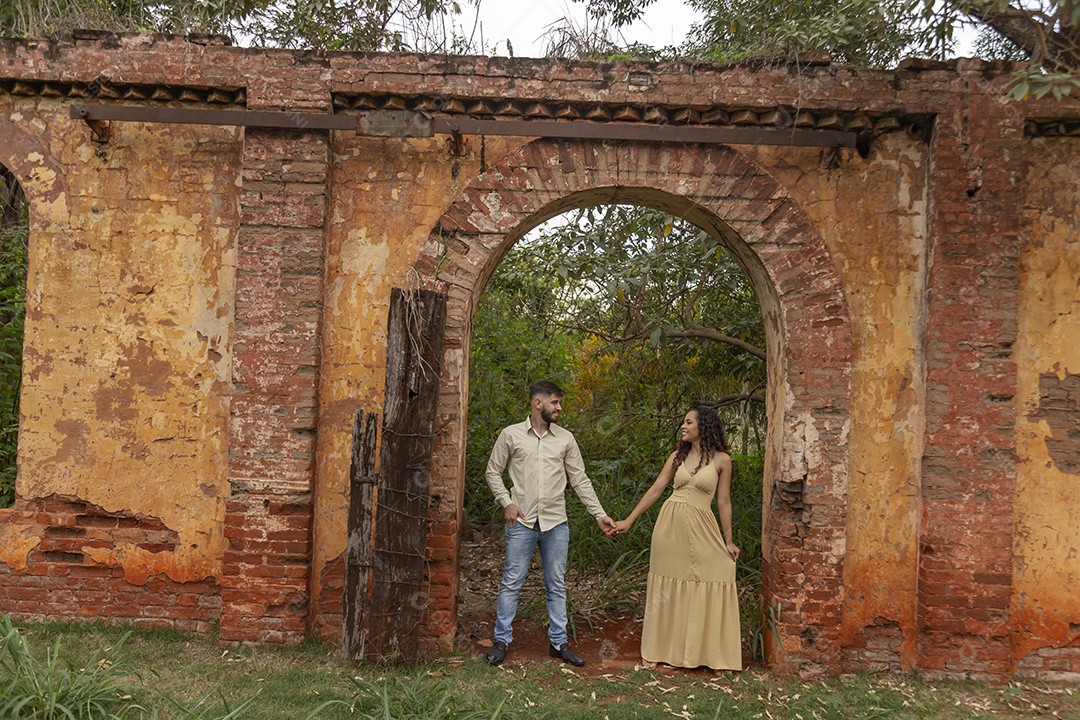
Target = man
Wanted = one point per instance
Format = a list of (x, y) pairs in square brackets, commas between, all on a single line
[(541, 458)]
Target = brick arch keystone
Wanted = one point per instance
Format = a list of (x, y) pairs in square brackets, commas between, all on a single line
[(809, 339)]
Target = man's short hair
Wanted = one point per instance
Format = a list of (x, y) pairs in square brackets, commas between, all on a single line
[(545, 388)]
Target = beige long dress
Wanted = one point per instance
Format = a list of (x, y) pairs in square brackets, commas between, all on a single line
[(691, 606)]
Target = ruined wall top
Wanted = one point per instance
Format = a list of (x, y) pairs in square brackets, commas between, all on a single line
[(161, 67)]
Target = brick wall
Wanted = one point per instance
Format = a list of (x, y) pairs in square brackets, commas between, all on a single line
[(265, 577), (62, 580), (280, 502), (1051, 664)]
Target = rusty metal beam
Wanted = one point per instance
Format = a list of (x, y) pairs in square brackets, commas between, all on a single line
[(404, 123), (185, 116), (644, 132)]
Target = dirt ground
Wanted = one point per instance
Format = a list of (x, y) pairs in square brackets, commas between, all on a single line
[(605, 646)]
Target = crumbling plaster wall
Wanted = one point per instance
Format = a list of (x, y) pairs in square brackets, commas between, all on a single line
[(1045, 604), (388, 195), (129, 312), (873, 216)]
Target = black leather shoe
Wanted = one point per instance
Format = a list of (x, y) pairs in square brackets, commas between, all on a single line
[(563, 652), (497, 653)]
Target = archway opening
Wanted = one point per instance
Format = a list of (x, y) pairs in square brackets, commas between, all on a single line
[(808, 346), (14, 245), (639, 314)]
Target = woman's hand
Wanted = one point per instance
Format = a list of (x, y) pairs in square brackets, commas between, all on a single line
[(733, 551), (621, 526)]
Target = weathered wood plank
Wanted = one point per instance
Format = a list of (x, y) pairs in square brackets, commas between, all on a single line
[(414, 360), (358, 551)]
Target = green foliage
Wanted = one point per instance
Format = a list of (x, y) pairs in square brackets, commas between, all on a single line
[(364, 25), (747, 491), (637, 278), (1046, 33), (1036, 83), (866, 33), (54, 689), (357, 25), (600, 305), (879, 33), (13, 263), (621, 12), (757, 623), (52, 18)]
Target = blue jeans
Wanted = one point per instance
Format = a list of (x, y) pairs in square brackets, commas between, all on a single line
[(520, 543)]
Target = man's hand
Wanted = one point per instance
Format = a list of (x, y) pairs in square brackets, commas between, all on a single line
[(606, 524), (511, 513)]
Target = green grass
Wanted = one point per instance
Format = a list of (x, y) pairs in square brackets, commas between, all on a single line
[(176, 675), (49, 685)]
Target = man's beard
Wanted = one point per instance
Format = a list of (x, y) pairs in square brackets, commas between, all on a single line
[(546, 416)]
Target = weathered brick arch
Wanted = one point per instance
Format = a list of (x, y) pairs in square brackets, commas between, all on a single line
[(809, 339), (42, 181), (24, 155)]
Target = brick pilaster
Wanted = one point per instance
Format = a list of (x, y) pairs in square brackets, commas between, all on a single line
[(279, 286), (968, 471)]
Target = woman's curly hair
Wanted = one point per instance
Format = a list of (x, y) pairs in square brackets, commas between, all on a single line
[(711, 432)]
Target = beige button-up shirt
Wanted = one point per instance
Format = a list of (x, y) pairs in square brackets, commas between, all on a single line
[(540, 467)]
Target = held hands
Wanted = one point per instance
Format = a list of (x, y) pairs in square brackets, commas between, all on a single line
[(607, 525), (511, 513), (618, 528)]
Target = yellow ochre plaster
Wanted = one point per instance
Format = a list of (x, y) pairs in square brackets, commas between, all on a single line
[(1047, 514), (125, 400)]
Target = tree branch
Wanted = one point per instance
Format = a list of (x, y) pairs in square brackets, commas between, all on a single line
[(732, 399), (692, 331), (697, 331), (1037, 38)]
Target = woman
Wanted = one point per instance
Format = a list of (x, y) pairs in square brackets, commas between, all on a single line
[(691, 607)]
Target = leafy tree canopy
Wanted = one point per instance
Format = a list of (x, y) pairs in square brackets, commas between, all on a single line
[(357, 25), (879, 33), (628, 274)]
